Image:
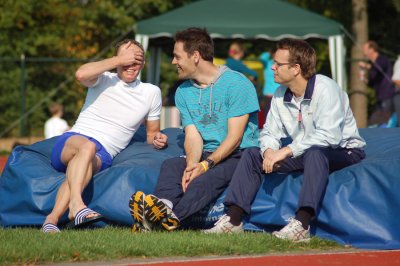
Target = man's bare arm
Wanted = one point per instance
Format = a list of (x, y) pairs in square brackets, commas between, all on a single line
[(88, 73), (154, 136), (193, 144), (236, 127), (397, 83)]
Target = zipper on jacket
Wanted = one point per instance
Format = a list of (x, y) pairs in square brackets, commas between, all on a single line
[(299, 118)]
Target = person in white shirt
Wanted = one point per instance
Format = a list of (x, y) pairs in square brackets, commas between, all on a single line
[(55, 125), (115, 106), (396, 73), (396, 81)]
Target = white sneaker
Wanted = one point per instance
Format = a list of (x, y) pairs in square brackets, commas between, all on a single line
[(223, 225), (294, 232)]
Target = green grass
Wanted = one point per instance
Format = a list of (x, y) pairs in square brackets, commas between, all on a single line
[(4, 153), (30, 246)]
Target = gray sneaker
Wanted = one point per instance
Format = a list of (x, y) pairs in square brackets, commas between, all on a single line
[(294, 232), (223, 225)]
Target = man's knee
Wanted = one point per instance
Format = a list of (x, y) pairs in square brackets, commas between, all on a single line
[(204, 187), (315, 152), (88, 150), (173, 162), (253, 153), (172, 168)]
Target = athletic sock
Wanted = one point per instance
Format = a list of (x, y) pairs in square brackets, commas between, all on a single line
[(304, 215), (168, 203), (235, 213)]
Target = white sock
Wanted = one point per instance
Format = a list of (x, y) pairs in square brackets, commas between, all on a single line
[(168, 203)]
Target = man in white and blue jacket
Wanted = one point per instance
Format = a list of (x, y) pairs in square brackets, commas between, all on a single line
[(314, 112)]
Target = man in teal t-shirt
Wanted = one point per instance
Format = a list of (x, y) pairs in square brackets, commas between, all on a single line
[(218, 108), (209, 108)]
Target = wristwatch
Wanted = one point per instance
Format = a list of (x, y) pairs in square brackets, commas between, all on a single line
[(210, 162)]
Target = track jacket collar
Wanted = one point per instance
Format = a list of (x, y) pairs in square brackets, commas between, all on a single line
[(308, 93)]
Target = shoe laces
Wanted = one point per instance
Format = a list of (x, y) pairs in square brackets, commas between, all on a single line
[(222, 220), (293, 224), (170, 213), (223, 224)]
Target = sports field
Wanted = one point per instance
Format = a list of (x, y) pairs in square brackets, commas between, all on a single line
[(110, 244)]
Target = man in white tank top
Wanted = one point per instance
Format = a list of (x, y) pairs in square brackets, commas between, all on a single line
[(115, 106)]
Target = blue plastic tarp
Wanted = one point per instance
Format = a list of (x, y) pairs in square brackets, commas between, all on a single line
[(360, 206)]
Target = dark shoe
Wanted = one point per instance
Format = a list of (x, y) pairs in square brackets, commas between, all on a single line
[(136, 207), (159, 214)]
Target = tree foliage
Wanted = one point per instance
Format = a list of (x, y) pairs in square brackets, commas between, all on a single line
[(382, 15), (59, 29), (83, 29)]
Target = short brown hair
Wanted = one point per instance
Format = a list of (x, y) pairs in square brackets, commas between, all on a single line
[(196, 39), (373, 45), (300, 52), (119, 44), (55, 108), (236, 47)]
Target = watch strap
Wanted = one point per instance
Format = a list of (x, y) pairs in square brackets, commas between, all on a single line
[(210, 162)]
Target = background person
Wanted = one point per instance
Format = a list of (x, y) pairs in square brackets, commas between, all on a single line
[(269, 87), (396, 81), (55, 125), (234, 61), (380, 73)]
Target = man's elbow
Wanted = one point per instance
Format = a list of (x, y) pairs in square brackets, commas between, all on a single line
[(333, 140), (80, 75)]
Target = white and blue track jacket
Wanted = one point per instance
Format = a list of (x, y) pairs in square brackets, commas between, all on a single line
[(323, 118)]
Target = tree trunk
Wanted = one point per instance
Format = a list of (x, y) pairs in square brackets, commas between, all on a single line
[(358, 89)]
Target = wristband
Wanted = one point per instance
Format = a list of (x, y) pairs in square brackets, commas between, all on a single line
[(205, 167)]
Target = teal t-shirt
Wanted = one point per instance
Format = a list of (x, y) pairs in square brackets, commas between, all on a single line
[(209, 108)]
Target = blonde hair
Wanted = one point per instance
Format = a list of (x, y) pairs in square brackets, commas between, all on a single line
[(134, 42)]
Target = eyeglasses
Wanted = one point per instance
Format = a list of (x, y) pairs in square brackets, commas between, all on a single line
[(277, 64)]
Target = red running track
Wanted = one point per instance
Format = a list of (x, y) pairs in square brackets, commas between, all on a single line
[(3, 161), (374, 258)]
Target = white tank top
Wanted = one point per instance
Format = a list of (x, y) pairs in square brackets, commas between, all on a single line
[(114, 110)]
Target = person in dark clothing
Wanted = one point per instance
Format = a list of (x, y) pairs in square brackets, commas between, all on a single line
[(380, 73)]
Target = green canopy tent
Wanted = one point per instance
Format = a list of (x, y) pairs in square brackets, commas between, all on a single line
[(250, 19)]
